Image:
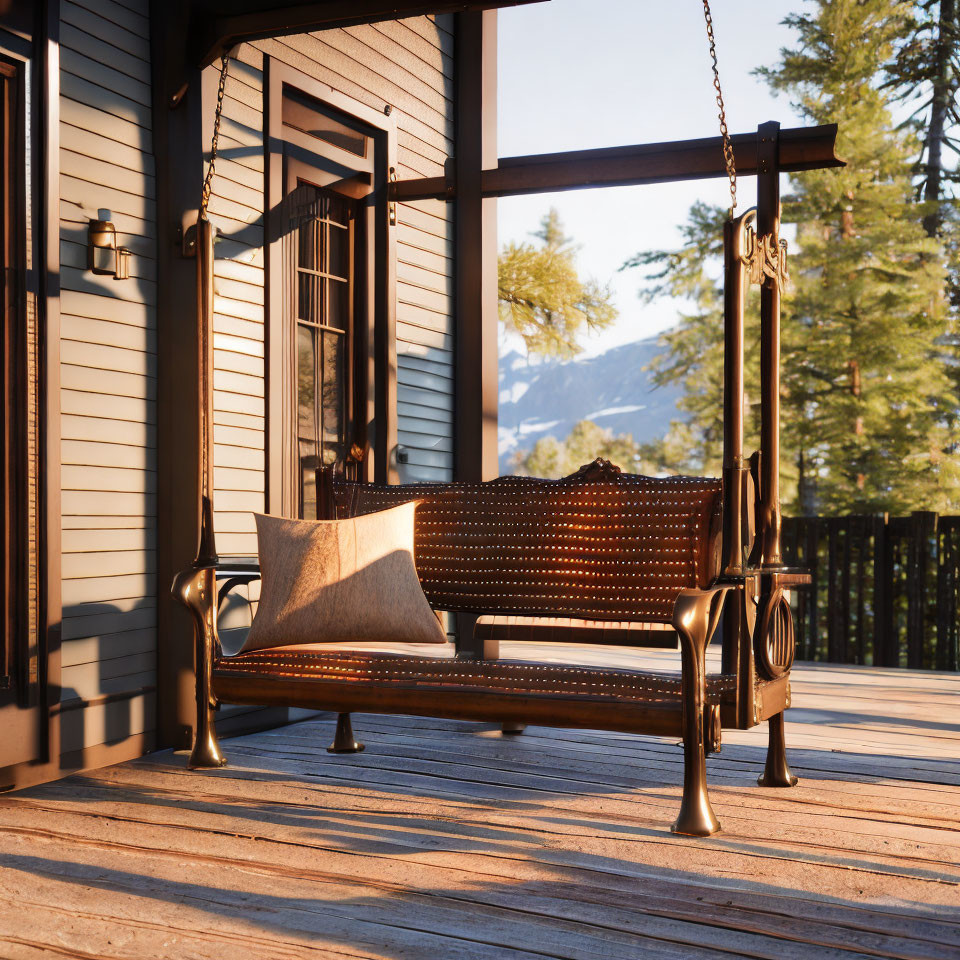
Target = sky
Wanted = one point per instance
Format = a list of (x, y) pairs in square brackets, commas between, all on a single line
[(570, 78)]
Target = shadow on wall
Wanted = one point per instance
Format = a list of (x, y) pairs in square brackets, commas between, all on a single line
[(107, 690)]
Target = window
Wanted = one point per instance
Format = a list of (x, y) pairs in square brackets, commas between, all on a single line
[(330, 275)]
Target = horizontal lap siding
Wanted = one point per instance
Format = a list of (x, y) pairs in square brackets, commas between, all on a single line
[(108, 373)]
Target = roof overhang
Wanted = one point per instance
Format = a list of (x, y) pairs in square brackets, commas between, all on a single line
[(218, 25)]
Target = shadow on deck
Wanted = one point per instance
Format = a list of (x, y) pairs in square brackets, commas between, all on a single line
[(445, 839)]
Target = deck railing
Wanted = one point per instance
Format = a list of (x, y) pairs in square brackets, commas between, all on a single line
[(885, 591)]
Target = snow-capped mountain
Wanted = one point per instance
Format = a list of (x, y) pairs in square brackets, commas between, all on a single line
[(541, 398)]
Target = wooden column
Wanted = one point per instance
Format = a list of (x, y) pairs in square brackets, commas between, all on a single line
[(178, 148), (768, 222), (475, 427), (475, 333)]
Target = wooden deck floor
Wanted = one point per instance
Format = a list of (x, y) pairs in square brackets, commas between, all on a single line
[(446, 840)]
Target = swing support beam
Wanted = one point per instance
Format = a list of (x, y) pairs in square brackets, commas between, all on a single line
[(797, 148)]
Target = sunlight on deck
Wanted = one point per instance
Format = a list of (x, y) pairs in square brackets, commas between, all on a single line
[(445, 839)]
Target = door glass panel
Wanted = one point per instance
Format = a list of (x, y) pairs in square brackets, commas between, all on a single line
[(309, 298), (307, 419), (338, 304), (338, 264), (333, 412), (309, 238)]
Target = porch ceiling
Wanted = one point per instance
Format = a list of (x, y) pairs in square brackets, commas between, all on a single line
[(218, 25)]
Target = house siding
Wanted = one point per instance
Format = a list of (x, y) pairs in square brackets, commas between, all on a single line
[(107, 375), (407, 64)]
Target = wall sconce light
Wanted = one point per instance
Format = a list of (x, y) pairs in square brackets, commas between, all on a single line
[(104, 257)]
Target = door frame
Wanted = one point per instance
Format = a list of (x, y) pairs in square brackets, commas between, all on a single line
[(381, 279), (42, 56)]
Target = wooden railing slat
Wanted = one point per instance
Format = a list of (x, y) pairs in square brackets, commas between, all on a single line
[(892, 589)]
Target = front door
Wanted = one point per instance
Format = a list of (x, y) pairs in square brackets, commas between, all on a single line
[(329, 175)]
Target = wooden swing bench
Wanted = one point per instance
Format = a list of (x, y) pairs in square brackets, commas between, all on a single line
[(601, 546)]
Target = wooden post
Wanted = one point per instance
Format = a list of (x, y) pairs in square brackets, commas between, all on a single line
[(476, 248), (475, 384), (177, 131)]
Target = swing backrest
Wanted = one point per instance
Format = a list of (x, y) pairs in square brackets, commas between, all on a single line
[(617, 548)]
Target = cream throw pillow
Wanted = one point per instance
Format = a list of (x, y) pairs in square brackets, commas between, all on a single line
[(340, 581)]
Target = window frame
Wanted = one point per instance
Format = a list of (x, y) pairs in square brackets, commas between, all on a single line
[(287, 160)]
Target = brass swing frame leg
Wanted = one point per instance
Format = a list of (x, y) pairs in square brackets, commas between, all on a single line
[(695, 617), (776, 771), (196, 590), (343, 739)]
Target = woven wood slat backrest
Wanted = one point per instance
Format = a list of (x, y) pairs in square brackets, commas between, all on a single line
[(618, 548)]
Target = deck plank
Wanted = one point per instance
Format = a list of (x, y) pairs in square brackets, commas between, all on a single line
[(445, 839)]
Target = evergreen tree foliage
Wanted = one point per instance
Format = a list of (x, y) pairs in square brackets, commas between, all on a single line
[(542, 296), (693, 349), (552, 458), (924, 73), (867, 402)]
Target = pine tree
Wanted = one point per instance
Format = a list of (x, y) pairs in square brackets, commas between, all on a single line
[(552, 458), (866, 399), (925, 74), (542, 296), (868, 393)]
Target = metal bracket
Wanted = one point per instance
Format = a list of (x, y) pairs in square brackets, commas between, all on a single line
[(392, 204), (104, 256)]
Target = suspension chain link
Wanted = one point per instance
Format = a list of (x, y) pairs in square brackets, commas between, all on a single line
[(215, 141), (724, 133)]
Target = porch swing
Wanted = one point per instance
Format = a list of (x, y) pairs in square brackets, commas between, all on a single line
[(674, 551)]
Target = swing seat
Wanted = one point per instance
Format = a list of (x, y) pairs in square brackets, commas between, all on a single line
[(640, 554)]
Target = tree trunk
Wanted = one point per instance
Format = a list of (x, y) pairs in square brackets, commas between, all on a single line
[(938, 116)]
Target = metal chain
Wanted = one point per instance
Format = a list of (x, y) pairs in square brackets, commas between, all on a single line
[(215, 142), (727, 145)]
